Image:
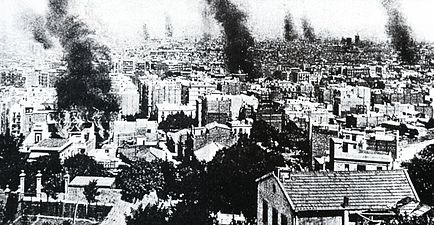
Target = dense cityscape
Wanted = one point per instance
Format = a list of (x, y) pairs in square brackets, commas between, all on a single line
[(302, 128)]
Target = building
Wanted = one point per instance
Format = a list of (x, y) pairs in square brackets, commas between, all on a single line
[(357, 150), (215, 108), (332, 198), (351, 99), (166, 109), (271, 114)]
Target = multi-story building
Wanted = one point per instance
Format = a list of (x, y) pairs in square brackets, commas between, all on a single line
[(350, 99), (357, 150)]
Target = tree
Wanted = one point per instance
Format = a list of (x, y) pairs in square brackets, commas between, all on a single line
[(11, 160), (421, 171), (263, 132), (172, 185), (83, 165), (2, 211), (194, 207), (170, 144), (236, 168), (51, 170), (91, 191), (148, 215), (11, 207), (139, 179), (177, 121)]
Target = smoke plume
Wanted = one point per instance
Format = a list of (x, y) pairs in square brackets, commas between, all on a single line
[(169, 27), (145, 32), (36, 25), (206, 22), (400, 33), (239, 42), (308, 31), (289, 31), (86, 84)]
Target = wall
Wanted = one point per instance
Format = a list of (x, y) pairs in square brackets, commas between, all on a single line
[(275, 200)]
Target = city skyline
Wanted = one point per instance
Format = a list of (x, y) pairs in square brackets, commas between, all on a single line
[(330, 18)]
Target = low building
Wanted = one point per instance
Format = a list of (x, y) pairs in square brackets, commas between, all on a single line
[(345, 197)]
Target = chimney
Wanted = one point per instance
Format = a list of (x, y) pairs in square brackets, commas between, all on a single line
[(346, 202), (283, 173), (39, 184), (67, 177)]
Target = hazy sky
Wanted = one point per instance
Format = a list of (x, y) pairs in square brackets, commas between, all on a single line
[(125, 18)]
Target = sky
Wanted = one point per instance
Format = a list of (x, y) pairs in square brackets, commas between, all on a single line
[(124, 19)]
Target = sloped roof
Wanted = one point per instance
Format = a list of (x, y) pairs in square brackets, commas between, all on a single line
[(207, 152), (81, 181), (52, 142), (366, 190)]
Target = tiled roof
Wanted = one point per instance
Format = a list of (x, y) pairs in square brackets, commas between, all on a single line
[(52, 142), (366, 190), (81, 181)]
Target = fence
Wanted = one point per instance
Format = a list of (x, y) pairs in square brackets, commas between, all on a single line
[(65, 209)]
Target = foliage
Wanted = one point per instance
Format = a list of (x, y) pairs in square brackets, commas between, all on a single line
[(51, 171), (83, 165), (421, 171), (11, 160), (91, 191), (11, 207), (193, 192), (190, 213), (430, 124), (263, 132), (148, 215), (2, 211), (139, 179), (170, 145), (172, 185), (177, 121), (245, 162)]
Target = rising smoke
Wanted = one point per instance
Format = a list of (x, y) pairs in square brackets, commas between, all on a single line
[(400, 32), (86, 84), (289, 31), (239, 41), (169, 27), (308, 31), (36, 25)]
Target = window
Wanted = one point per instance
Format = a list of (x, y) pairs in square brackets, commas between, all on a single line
[(265, 212), (347, 167), (379, 168), (361, 167), (345, 147), (38, 137), (283, 220), (275, 216), (354, 137)]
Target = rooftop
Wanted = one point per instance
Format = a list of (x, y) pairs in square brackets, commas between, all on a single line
[(81, 181), (366, 190), (52, 142)]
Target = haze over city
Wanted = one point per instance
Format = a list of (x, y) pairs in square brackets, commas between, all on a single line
[(335, 18)]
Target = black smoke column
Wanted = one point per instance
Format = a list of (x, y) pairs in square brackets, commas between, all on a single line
[(239, 42), (308, 31), (400, 33), (289, 31), (86, 84), (36, 25)]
